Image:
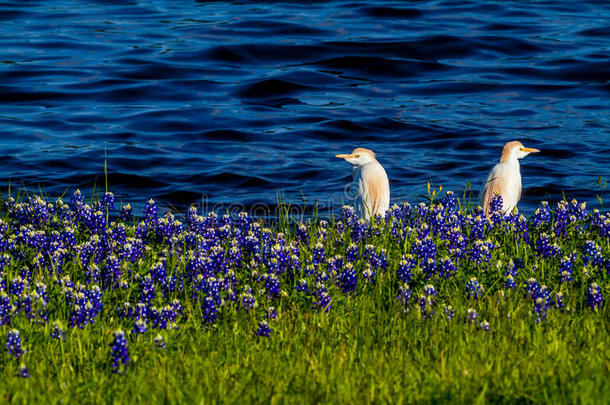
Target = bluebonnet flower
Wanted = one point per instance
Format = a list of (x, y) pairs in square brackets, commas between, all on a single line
[(302, 234), (426, 302), (542, 302), (423, 231), (447, 268), (7, 309), (404, 296), (578, 212), (533, 288), (119, 351), (248, 301), (592, 254), (595, 298), (480, 252), (58, 332), (474, 289), (317, 254), (348, 215), (542, 215), (126, 213), (403, 213), (484, 325), (139, 326), (323, 299), (378, 260), (150, 210), (478, 221), (347, 279), (271, 313), (457, 242), (449, 311), (97, 222), (147, 289), (424, 249), (559, 304), (511, 273), (23, 371), (263, 329), (422, 211), (404, 268), (496, 204), (272, 285), (77, 198), (602, 223), (510, 282), (566, 267), (369, 274), (108, 200), (159, 342), (18, 286), (359, 231), (86, 305), (521, 228), (334, 265), (449, 202), (302, 286), (561, 218), (471, 315), (209, 310), (437, 220), (352, 252), (545, 248), (13, 343)]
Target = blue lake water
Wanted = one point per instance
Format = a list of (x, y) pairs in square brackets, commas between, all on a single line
[(220, 103)]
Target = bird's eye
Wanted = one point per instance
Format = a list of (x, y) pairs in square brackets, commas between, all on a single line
[(357, 156)]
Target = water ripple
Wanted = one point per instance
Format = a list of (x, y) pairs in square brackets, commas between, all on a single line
[(220, 103)]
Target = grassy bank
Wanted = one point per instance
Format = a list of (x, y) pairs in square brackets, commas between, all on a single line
[(427, 304)]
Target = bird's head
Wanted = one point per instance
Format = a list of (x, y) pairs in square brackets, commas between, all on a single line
[(359, 156), (515, 150)]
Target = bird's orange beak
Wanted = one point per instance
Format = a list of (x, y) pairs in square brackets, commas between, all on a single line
[(530, 150), (346, 156)]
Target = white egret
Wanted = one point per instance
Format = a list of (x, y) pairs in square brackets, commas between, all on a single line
[(505, 178), (373, 185)]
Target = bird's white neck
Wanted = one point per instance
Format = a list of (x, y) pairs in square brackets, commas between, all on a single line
[(513, 161)]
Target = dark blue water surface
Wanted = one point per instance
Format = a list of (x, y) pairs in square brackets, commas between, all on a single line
[(222, 103)]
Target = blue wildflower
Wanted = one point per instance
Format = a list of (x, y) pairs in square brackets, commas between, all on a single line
[(13, 343), (545, 248), (58, 332), (139, 326), (449, 311), (566, 267), (474, 289), (404, 268), (159, 342), (23, 371), (347, 279), (404, 296), (119, 351), (542, 215), (595, 298), (471, 315), (263, 329)]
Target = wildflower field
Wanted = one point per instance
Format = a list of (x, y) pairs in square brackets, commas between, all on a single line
[(432, 303)]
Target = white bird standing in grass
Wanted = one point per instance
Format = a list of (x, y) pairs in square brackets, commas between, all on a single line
[(505, 178), (373, 185)]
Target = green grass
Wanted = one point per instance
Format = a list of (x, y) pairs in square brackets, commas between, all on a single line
[(357, 353)]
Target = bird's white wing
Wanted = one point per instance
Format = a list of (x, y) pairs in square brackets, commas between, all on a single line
[(493, 185), (375, 189)]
